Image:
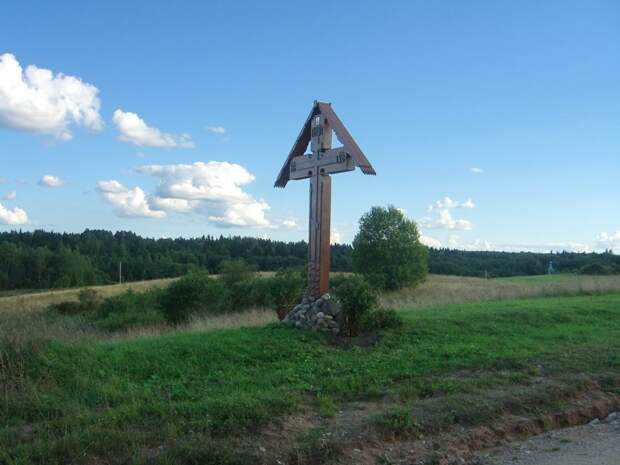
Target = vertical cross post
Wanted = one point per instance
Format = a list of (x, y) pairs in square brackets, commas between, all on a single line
[(320, 211)]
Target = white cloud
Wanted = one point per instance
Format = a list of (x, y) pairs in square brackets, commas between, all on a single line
[(51, 181), (12, 216), (336, 237), (10, 196), (290, 224), (609, 241), (483, 245), (36, 100), (134, 130), (430, 241), (448, 204), (172, 204), (444, 220), (251, 213), (127, 202), (212, 189), (476, 170), (217, 129)]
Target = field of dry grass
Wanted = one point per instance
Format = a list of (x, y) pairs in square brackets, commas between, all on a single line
[(442, 290), (35, 300)]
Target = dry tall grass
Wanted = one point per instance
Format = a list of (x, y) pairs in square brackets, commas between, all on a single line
[(443, 290), (39, 300)]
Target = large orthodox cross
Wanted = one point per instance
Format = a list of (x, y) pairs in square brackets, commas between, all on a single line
[(318, 165)]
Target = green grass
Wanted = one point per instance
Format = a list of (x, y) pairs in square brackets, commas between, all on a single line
[(119, 401)]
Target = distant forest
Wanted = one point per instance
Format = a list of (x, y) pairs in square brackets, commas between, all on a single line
[(39, 259)]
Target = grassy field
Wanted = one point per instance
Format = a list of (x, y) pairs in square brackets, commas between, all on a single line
[(194, 397)]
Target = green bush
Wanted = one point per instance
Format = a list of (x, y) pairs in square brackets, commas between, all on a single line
[(379, 319), (128, 310), (387, 250), (193, 293), (89, 299), (66, 308), (236, 271), (285, 290), (357, 298)]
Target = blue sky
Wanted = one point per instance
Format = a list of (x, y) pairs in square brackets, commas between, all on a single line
[(180, 117)]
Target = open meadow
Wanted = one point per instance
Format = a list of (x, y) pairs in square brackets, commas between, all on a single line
[(240, 388)]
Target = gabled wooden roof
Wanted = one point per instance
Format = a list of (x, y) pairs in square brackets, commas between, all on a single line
[(302, 141)]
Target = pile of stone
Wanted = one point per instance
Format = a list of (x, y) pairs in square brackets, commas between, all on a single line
[(322, 314)]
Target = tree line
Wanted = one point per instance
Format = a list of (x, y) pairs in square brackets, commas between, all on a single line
[(41, 259), (504, 264)]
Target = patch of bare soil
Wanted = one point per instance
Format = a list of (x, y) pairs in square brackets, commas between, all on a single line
[(595, 443), (349, 438)]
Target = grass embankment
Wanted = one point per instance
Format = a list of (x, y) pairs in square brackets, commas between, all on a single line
[(185, 398)]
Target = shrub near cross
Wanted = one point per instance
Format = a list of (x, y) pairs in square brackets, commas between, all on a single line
[(387, 250)]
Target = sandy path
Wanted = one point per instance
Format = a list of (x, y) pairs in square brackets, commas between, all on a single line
[(597, 443)]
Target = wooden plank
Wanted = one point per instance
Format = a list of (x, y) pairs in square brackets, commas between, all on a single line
[(331, 162), (343, 136), (324, 240), (299, 147), (313, 222)]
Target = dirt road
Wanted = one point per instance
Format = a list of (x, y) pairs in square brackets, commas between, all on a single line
[(597, 443)]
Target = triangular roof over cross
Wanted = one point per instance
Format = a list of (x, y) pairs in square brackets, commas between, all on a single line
[(299, 147)]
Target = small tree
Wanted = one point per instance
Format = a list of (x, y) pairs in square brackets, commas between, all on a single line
[(387, 249), (193, 293), (235, 271)]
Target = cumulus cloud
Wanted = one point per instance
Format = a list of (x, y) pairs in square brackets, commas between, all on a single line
[(484, 245), (609, 241), (448, 204), (335, 236), (217, 129), (173, 205), (214, 190), (290, 224), (430, 241), (444, 220), (10, 196), (51, 181), (39, 101), (12, 216), (134, 130), (476, 170), (127, 202)]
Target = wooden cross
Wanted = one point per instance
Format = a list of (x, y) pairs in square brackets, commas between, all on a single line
[(318, 165)]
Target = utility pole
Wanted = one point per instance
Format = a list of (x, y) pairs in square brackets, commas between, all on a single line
[(120, 272)]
